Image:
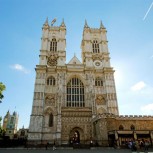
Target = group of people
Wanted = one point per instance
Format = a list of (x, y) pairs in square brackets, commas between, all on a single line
[(143, 145), (54, 146)]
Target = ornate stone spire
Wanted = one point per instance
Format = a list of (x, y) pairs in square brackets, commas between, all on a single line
[(63, 24), (46, 22), (86, 25), (46, 25), (101, 25)]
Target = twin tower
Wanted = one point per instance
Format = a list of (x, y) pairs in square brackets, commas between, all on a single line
[(69, 96)]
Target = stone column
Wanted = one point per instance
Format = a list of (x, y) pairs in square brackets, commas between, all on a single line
[(116, 139), (135, 135)]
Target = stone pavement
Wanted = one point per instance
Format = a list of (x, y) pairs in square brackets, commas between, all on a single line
[(69, 150)]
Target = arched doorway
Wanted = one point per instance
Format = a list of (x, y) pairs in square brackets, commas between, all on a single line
[(76, 136)]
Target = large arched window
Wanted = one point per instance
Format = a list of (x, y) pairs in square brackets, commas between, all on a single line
[(75, 93), (98, 81), (51, 81), (53, 45), (95, 46), (50, 120)]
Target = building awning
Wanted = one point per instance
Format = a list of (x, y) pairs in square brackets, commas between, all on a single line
[(129, 132), (142, 132), (125, 132)]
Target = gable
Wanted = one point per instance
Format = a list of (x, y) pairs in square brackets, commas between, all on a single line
[(74, 60)]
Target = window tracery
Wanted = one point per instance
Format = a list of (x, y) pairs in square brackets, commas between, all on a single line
[(51, 81), (75, 93), (50, 120), (98, 81), (53, 45), (95, 46)]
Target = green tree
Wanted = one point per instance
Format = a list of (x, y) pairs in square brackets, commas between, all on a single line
[(2, 88)]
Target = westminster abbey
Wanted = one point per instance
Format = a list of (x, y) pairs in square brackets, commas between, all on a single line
[(76, 102)]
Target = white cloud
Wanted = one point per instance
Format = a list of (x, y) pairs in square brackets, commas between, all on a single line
[(138, 86), (19, 67), (147, 109)]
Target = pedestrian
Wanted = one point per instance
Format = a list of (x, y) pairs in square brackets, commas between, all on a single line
[(146, 145), (130, 144), (142, 145), (46, 145), (54, 146)]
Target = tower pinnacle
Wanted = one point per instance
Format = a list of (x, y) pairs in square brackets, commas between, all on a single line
[(86, 25), (63, 24), (101, 25)]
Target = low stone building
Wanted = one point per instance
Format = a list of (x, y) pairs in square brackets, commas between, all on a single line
[(22, 133), (113, 129)]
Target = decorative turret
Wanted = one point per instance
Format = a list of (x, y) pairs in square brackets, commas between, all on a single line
[(14, 113), (101, 25), (45, 25)]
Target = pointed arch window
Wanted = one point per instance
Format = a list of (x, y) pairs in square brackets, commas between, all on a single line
[(53, 45), (95, 46), (50, 120), (51, 81), (132, 127), (98, 82), (22, 133), (75, 93), (121, 127)]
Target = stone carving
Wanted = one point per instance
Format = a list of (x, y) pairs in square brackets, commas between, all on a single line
[(48, 110), (101, 111), (100, 100), (52, 60), (50, 100), (97, 57)]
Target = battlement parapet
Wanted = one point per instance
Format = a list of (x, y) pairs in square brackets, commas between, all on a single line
[(134, 117), (54, 28), (94, 29), (123, 117)]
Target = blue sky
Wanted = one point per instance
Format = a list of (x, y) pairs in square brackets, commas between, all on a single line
[(130, 41)]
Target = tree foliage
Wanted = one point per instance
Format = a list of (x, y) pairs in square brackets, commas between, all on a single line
[(2, 88)]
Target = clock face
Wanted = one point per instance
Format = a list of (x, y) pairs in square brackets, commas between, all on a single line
[(97, 63)]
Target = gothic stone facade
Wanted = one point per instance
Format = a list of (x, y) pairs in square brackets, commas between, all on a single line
[(69, 97)]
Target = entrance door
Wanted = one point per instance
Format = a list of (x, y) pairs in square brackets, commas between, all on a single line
[(76, 135)]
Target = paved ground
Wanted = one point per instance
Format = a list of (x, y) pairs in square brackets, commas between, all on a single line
[(99, 150)]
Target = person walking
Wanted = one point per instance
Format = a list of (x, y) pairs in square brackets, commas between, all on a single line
[(146, 145), (47, 145), (54, 145)]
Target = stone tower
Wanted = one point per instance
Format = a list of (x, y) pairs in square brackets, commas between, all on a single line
[(95, 57), (10, 123), (68, 96)]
